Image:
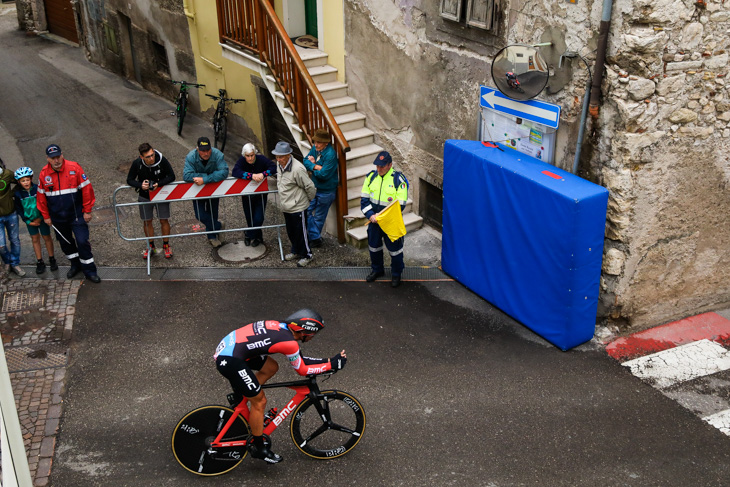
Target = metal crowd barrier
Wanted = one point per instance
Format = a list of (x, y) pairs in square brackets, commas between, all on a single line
[(180, 191)]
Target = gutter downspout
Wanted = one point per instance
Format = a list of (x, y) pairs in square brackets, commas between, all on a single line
[(189, 10), (600, 57)]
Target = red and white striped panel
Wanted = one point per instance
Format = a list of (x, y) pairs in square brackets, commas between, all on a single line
[(191, 191)]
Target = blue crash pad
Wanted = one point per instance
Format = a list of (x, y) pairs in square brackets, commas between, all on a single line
[(526, 236)]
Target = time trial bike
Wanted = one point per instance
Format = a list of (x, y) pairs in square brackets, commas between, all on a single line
[(181, 102), (213, 440), (220, 118)]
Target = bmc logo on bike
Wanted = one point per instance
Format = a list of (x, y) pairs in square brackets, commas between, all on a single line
[(284, 413), (259, 344)]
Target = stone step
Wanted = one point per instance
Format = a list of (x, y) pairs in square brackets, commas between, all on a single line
[(323, 74), (359, 137), (332, 89), (350, 121), (342, 105), (363, 155), (312, 57)]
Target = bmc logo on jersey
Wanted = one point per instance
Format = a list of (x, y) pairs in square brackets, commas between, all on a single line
[(259, 344), (259, 328)]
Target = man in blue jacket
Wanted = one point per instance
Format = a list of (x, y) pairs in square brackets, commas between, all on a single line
[(322, 162), (206, 165)]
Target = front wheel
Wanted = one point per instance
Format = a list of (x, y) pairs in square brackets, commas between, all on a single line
[(221, 132), (329, 426), (182, 108), (194, 433)]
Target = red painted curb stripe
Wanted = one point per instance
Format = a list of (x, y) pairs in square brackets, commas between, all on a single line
[(710, 326)]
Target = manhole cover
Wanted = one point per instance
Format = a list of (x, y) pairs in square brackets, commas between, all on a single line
[(18, 300), (188, 226), (35, 357), (240, 252), (105, 214)]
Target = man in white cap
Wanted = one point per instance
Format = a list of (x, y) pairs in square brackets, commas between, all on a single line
[(296, 190)]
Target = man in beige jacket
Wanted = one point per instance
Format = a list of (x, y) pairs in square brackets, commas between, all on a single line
[(296, 190)]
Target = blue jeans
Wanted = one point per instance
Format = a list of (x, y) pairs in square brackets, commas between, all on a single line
[(206, 211), (9, 223), (317, 213)]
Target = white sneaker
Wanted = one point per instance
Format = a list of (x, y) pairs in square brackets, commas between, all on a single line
[(289, 257), (215, 243), (17, 270), (304, 262)]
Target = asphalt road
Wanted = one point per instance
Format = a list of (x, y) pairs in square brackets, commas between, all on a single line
[(455, 392)]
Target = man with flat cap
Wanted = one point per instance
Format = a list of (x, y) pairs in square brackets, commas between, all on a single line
[(65, 199), (205, 164), (296, 190), (382, 187)]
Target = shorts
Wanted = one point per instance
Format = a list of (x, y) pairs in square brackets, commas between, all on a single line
[(240, 373), (146, 212), (43, 229)]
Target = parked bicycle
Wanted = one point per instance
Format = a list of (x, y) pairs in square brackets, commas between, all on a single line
[(212, 440), (220, 122), (182, 102)]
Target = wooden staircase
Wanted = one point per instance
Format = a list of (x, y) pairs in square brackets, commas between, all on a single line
[(361, 139)]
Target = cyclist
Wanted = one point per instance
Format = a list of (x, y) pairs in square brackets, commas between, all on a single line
[(242, 357)]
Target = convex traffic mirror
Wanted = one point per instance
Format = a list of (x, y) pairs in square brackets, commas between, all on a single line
[(520, 72)]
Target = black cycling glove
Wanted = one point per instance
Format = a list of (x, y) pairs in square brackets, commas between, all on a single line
[(338, 362)]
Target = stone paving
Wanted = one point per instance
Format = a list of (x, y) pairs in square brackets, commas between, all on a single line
[(35, 323)]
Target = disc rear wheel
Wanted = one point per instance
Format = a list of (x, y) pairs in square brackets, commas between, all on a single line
[(194, 433)]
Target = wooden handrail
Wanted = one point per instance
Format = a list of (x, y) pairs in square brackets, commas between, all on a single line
[(253, 24)]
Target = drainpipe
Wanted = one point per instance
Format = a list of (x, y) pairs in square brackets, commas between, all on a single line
[(600, 57), (188, 9)]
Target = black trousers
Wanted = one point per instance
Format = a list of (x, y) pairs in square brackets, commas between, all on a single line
[(74, 239), (296, 229)]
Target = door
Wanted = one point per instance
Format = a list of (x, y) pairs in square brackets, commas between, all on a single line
[(61, 19), (310, 17)]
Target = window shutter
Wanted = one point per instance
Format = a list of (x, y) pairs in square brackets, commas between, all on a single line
[(451, 9)]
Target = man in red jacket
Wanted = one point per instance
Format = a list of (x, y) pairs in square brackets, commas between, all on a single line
[(65, 199)]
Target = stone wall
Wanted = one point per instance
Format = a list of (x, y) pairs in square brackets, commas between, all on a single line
[(118, 33), (660, 143)]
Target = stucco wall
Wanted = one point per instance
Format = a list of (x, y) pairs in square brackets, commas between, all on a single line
[(659, 145)]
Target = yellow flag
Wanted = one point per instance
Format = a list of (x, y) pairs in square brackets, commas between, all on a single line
[(391, 221)]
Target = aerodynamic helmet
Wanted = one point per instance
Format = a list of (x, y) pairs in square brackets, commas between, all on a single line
[(23, 172), (305, 320)]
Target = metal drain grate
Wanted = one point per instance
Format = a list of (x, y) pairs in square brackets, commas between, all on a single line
[(18, 300), (36, 357)]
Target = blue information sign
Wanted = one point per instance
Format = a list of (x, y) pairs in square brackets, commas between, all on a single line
[(535, 111)]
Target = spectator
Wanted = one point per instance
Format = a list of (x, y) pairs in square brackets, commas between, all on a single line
[(381, 187), (295, 192), (148, 172), (27, 209), (255, 167), (206, 165), (322, 162), (65, 199), (10, 244)]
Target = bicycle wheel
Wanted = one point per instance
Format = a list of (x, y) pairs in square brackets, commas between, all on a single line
[(196, 430), (329, 426), (222, 133), (182, 108)]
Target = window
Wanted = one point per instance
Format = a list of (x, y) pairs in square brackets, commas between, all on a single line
[(474, 13), (162, 64)]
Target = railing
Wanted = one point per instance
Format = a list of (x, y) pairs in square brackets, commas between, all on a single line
[(253, 24)]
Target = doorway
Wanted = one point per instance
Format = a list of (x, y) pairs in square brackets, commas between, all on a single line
[(131, 64), (61, 19)]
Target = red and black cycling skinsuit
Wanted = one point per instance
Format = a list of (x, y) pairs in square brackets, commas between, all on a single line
[(245, 350)]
